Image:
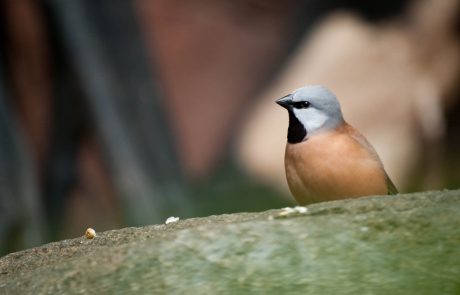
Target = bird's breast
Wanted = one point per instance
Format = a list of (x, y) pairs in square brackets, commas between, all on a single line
[(331, 166)]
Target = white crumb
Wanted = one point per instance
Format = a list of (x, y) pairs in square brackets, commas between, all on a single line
[(301, 209), (171, 219)]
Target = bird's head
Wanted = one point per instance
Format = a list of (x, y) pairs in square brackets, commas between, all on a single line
[(312, 109)]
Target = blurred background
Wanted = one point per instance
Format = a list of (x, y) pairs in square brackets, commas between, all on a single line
[(119, 113)]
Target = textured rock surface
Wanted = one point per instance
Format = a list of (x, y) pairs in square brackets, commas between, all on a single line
[(406, 244)]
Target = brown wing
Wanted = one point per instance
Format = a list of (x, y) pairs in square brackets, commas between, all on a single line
[(392, 190)]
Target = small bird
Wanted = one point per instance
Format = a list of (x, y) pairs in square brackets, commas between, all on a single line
[(326, 158)]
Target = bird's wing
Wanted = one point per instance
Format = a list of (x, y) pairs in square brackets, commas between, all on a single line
[(358, 137), (392, 190)]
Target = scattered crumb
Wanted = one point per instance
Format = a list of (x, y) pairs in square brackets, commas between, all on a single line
[(171, 219), (301, 209), (90, 233), (288, 211)]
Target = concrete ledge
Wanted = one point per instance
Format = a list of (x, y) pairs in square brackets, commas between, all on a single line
[(404, 244)]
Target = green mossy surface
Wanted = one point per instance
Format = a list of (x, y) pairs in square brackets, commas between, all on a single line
[(403, 244)]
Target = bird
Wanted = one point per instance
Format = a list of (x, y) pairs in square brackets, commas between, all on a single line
[(325, 157)]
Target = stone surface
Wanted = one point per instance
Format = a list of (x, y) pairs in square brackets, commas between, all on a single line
[(404, 244)]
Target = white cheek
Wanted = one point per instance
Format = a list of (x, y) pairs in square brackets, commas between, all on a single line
[(312, 119)]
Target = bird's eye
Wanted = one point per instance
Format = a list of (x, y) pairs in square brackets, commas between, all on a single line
[(301, 104)]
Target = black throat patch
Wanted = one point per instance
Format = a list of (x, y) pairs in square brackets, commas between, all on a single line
[(296, 131)]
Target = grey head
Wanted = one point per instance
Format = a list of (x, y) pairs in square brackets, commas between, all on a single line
[(312, 109)]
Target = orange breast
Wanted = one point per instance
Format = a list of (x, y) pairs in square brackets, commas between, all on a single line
[(333, 165)]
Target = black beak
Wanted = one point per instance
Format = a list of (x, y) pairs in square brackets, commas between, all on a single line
[(285, 101)]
